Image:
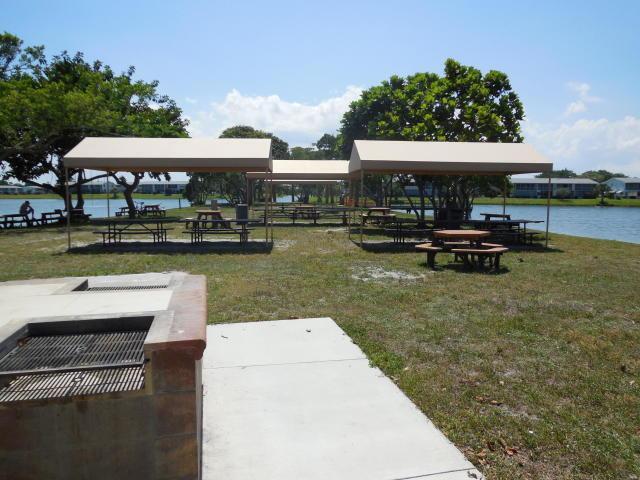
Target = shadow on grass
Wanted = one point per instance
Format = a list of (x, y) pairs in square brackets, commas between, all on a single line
[(171, 248), (388, 247), (462, 268)]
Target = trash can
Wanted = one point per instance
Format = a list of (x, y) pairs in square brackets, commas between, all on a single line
[(242, 211)]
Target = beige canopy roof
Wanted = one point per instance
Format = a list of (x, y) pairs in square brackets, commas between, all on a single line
[(304, 182), (171, 154), (446, 158), (306, 170)]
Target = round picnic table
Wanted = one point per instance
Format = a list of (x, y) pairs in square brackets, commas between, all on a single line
[(472, 236)]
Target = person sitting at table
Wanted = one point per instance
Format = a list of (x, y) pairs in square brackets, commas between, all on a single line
[(26, 209)]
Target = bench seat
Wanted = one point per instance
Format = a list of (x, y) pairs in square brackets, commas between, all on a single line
[(492, 254), (431, 250)]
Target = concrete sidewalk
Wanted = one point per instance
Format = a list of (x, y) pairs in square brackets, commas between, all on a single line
[(297, 400)]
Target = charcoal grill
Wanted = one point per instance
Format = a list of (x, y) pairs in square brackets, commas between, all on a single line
[(59, 365)]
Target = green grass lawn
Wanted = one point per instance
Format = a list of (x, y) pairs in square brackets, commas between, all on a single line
[(533, 373)]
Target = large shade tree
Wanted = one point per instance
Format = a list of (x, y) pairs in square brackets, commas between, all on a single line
[(462, 105), (232, 186), (48, 105)]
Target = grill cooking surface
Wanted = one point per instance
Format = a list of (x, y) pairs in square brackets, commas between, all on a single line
[(69, 351), (123, 288), (55, 385), (49, 366)]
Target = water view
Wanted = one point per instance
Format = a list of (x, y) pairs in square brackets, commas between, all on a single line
[(608, 223)]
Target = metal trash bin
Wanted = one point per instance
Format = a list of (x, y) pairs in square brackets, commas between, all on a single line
[(242, 211)]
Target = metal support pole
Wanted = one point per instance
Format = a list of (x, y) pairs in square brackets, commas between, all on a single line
[(273, 197), (266, 195), (68, 199), (108, 203), (546, 237), (350, 191), (504, 197), (360, 205)]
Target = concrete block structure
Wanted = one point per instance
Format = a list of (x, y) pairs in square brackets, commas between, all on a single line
[(93, 403)]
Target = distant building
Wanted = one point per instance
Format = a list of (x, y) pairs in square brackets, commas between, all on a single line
[(162, 187), (624, 187), (20, 190), (560, 187)]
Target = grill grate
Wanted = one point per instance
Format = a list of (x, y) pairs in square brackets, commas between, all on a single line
[(54, 385), (61, 352), (123, 288)]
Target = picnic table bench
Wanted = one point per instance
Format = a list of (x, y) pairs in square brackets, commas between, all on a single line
[(124, 212), (466, 245), (152, 211), (52, 217), (403, 228), (116, 229), (18, 220), (198, 229), (478, 256)]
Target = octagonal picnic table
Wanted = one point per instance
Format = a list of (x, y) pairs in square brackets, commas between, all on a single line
[(472, 236)]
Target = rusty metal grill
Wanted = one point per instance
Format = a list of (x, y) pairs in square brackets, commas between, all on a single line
[(55, 385), (123, 288), (46, 366)]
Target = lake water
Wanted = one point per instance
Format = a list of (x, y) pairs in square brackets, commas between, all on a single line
[(609, 223), (96, 207)]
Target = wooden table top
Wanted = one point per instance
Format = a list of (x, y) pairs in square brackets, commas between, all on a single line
[(379, 209), (208, 212), (461, 234)]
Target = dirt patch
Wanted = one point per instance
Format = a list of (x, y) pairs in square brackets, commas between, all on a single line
[(283, 244), (378, 274)]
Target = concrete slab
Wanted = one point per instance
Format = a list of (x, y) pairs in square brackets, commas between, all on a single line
[(273, 410), (278, 342)]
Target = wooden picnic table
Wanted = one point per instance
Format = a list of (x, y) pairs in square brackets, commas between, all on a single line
[(380, 210), (198, 228), (213, 217), (116, 229), (489, 216), (471, 236), (153, 210), (516, 228), (18, 220)]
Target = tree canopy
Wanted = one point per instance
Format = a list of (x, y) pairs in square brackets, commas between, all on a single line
[(461, 105), (48, 105), (279, 148)]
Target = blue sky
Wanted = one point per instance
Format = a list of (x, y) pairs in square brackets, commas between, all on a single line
[(293, 67)]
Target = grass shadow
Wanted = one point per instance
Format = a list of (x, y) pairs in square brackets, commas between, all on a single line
[(171, 248)]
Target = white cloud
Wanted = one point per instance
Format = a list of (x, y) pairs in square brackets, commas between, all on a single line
[(190, 100), (586, 144), (584, 98), (297, 123)]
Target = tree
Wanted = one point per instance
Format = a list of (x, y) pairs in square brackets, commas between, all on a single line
[(602, 190), (461, 105), (328, 146), (601, 175), (48, 106), (279, 148), (564, 173)]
